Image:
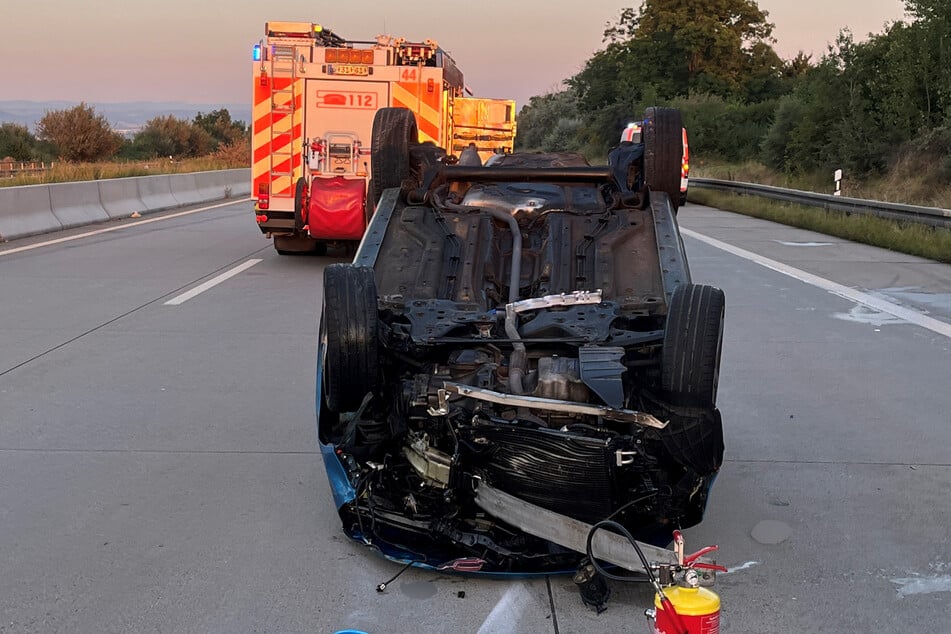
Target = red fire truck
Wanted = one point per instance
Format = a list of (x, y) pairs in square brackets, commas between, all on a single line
[(315, 98)]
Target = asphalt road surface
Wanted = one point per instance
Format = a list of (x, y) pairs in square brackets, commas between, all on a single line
[(159, 469)]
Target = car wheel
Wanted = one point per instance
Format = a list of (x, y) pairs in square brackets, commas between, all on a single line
[(369, 206), (349, 319), (693, 338), (663, 151), (394, 133)]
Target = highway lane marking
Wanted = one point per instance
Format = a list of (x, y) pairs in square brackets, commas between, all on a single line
[(215, 281), (97, 232), (875, 303)]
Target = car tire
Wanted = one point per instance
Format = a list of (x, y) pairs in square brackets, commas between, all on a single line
[(369, 206), (349, 322), (693, 339), (394, 134), (663, 151)]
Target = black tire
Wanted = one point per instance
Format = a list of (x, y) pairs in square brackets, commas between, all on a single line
[(369, 206), (663, 151), (299, 202), (693, 339), (394, 134), (349, 321), (299, 244)]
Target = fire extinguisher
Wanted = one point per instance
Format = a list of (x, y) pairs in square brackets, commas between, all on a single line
[(681, 606), (690, 610), (685, 607)]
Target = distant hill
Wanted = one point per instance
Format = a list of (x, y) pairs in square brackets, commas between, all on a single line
[(126, 117)]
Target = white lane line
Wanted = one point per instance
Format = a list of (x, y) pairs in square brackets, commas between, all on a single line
[(881, 305), (149, 221), (215, 281)]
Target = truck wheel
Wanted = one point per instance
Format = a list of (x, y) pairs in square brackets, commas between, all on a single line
[(693, 338), (349, 321), (394, 133), (300, 201), (663, 151), (298, 244)]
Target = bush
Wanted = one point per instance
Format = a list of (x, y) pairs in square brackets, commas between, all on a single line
[(79, 134)]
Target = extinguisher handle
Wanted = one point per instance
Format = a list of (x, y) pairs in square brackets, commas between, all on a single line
[(689, 559), (704, 566)]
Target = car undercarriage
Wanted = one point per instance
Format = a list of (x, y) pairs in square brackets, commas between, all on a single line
[(527, 328)]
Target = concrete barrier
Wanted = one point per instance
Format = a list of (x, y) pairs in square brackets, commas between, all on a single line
[(210, 185), (156, 192), (120, 197), (34, 209), (240, 183), (77, 204), (185, 188), (26, 211), (225, 183)]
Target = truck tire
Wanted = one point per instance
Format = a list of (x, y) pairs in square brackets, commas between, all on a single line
[(394, 133), (299, 244), (349, 322), (300, 196), (693, 339), (663, 151)]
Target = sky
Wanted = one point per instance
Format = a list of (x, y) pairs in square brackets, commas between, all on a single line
[(199, 51)]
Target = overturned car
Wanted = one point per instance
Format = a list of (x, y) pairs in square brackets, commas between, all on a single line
[(516, 353)]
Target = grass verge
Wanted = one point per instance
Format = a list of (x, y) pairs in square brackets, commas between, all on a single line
[(904, 237), (63, 172)]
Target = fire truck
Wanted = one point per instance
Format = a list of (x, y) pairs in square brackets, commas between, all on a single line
[(315, 99)]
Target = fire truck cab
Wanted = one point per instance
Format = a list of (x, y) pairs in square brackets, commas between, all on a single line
[(314, 101)]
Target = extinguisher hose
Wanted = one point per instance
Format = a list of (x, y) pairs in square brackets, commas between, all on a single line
[(618, 528)]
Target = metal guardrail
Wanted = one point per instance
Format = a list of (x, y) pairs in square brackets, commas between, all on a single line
[(932, 216)]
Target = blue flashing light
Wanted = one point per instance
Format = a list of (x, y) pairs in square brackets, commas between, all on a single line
[(256, 53)]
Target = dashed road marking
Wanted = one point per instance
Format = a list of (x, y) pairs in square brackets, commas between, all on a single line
[(215, 281)]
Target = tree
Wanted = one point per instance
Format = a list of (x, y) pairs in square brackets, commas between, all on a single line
[(171, 136), (79, 134), (16, 142), (720, 41), (220, 127), (541, 116)]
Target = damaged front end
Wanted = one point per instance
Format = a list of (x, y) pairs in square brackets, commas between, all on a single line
[(513, 339)]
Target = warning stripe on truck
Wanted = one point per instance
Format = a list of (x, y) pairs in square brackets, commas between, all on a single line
[(415, 96), (277, 142)]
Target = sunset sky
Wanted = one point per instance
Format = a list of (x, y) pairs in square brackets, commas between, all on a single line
[(198, 51)]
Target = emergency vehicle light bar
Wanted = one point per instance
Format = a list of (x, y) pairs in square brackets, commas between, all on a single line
[(348, 56)]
